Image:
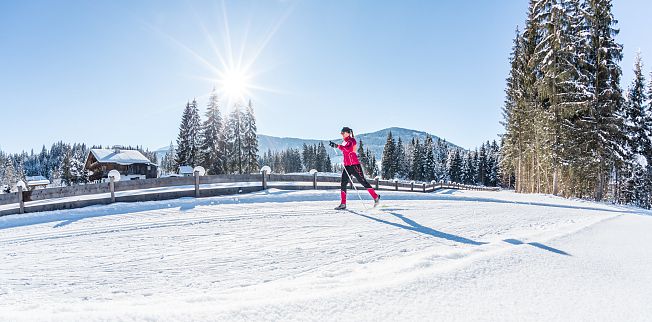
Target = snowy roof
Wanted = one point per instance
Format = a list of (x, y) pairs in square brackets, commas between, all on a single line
[(185, 169), (36, 180), (122, 157)]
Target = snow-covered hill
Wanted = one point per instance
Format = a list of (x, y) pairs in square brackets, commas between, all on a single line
[(375, 141), (284, 256)]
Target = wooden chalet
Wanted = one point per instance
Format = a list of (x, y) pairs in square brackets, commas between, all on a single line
[(130, 163)]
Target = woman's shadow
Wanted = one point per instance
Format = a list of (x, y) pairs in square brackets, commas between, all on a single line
[(414, 226)]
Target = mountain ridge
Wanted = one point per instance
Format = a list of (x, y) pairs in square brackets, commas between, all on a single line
[(375, 141)]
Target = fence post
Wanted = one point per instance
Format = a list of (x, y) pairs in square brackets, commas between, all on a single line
[(314, 180), (396, 185), (264, 179), (377, 182), (424, 187), (112, 188), (412, 186), (196, 184), (21, 202)]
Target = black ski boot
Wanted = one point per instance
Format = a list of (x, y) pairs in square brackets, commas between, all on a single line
[(377, 201), (342, 206)]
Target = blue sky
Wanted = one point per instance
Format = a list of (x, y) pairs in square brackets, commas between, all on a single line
[(120, 72)]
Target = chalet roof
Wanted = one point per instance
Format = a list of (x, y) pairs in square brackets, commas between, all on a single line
[(37, 180), (121, 157), (185, 169)]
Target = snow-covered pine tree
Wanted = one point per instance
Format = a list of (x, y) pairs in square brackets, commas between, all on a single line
[(521, 104), (2, 170), (571, 150), (266, 159), (277, 166), (512, 149), (168, 164), (288, 161), (468, 175), (362, 152), (402, 167), (637, 129), (409, 158), (250, 140), (20, 169), (307, 157), (67, 175), (43, 157), (482, 165), (389, 158), (324, 161), (319, 157), (648, 125), (529, 103), (634, 187), (80, 174), (363, 157), (429, 160), (603, 120), (555, 56), (234, 145), (417, 165), (31, 164), (188, 139), (563, 109), (455, 166), (373, 172), (9, 178), (328, 164), (212, 137), (493, 165), (475, 166), (441, 157)]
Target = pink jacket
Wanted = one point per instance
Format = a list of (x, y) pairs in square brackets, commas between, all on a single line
[(348, 149)]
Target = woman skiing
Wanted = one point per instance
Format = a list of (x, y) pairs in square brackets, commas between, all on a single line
[(352, 167)]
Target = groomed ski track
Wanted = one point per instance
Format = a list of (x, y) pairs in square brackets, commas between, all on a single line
[(281, 255)]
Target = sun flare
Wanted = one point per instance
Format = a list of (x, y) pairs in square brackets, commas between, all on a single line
[(234, 84), (232, 64)]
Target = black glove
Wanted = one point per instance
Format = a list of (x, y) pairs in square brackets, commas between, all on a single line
[(332, 144)]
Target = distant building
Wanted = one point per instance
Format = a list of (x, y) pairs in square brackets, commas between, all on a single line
[(35, 182), (130, 163), (186, 171)]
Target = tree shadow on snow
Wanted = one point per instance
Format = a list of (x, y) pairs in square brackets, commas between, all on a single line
[(66, 223), (537, 245), (452, 197), (414, 226)]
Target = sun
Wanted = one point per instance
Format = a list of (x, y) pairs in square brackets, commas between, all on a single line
[(232, 73), (234, 83)]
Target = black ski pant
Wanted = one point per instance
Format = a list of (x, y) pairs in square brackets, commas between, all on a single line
[(356, 172)]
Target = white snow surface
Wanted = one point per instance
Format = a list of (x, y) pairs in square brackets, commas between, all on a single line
[(286, 256)]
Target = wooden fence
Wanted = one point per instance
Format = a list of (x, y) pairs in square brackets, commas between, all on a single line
[(195, 186)]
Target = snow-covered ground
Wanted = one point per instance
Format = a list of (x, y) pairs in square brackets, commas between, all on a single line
[(280, 255)]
